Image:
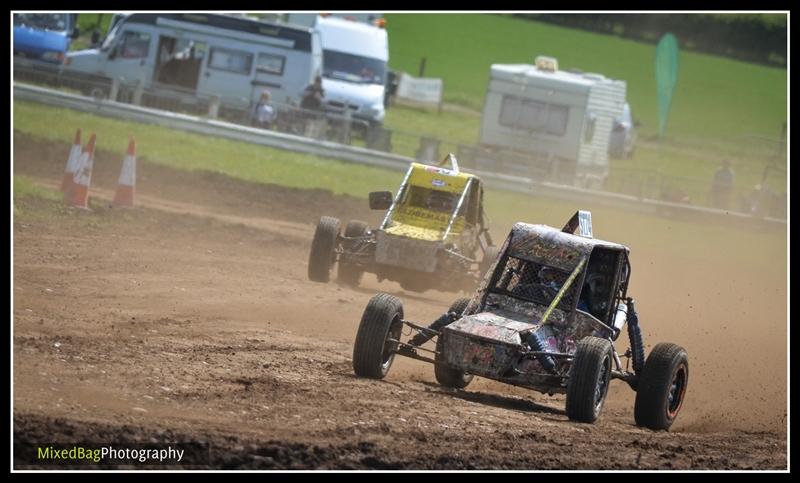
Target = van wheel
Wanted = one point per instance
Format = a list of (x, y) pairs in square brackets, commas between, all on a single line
[(323, 248), (589, 378), (382, 319), (350, 273)]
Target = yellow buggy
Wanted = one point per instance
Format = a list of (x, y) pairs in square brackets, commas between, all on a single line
[(434, 235)]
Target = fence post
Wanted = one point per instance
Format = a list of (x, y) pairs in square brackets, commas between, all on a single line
[(112, 96), (428, 151), (348, 119), (137, 94), (213, 107)]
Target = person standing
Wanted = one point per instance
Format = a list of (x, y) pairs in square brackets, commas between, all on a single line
[(263, 113), (313, 95), (722, 186)]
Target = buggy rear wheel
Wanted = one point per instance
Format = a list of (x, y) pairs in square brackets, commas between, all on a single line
[(445, 375), (662, 386), (350, 273), (589, 378), (323, 247), (373, 354)]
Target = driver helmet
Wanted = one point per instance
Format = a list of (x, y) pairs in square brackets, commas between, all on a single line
[(595, 284), (551, 277)]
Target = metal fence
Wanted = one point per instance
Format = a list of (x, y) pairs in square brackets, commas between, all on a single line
[(343, 128)]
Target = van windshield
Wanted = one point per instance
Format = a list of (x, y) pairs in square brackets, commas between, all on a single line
[(58, 21), (352, 68)]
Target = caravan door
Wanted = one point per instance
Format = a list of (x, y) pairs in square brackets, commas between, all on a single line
[(178, 62), (268, 75)]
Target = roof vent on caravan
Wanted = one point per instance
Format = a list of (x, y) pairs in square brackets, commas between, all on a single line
[(549, 64)]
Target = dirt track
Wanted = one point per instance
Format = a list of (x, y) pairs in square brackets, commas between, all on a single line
[(191, 319)]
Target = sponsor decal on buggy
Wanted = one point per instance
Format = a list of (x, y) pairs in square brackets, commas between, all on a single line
[(423, 214), (478, 354), (438, 182), (431, 169)]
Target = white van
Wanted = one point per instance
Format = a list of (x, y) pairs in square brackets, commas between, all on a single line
[(536, 116), (354, 67), (204, 55), (309, 19)]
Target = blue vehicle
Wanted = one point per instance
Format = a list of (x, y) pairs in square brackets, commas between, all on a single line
[(44, 37)]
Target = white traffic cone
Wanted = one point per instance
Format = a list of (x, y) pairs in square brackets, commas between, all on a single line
[(78, 196), (72, 163), (127, 178)]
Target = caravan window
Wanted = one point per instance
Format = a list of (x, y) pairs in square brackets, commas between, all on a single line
[(236, 61), (270, 64), (134, 45), (530, 115)]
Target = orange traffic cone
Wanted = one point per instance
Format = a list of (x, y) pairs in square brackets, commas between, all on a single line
[(72, 161), (79, 196), (127, 178)]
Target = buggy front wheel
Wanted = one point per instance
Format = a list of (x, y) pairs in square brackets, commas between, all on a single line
[(323, 248), (382, 320), (589, 378)]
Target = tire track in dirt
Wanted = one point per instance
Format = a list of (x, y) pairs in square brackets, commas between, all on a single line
[(204, 293)]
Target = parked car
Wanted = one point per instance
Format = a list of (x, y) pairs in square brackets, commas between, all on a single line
[(44, 37)]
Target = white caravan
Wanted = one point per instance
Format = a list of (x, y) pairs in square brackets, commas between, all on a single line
[(550, 124), (194, 56)]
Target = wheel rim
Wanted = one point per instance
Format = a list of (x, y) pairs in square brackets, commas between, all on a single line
[(677, 388), (602, 384), (390, 348)]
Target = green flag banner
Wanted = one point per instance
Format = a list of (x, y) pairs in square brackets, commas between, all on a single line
[(666, 77)]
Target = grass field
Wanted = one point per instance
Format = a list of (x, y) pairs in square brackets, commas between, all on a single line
[(715, 97)]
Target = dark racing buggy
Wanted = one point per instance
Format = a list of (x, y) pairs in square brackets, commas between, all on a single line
[(546, 316), (435, 234)]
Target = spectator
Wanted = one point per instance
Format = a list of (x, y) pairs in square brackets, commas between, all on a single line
[(722, 186), (263, 114), (313, 95)]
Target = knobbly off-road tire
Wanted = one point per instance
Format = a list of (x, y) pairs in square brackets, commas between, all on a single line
[(382, 319), (589, 378), (662, 386), (323, 247)]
